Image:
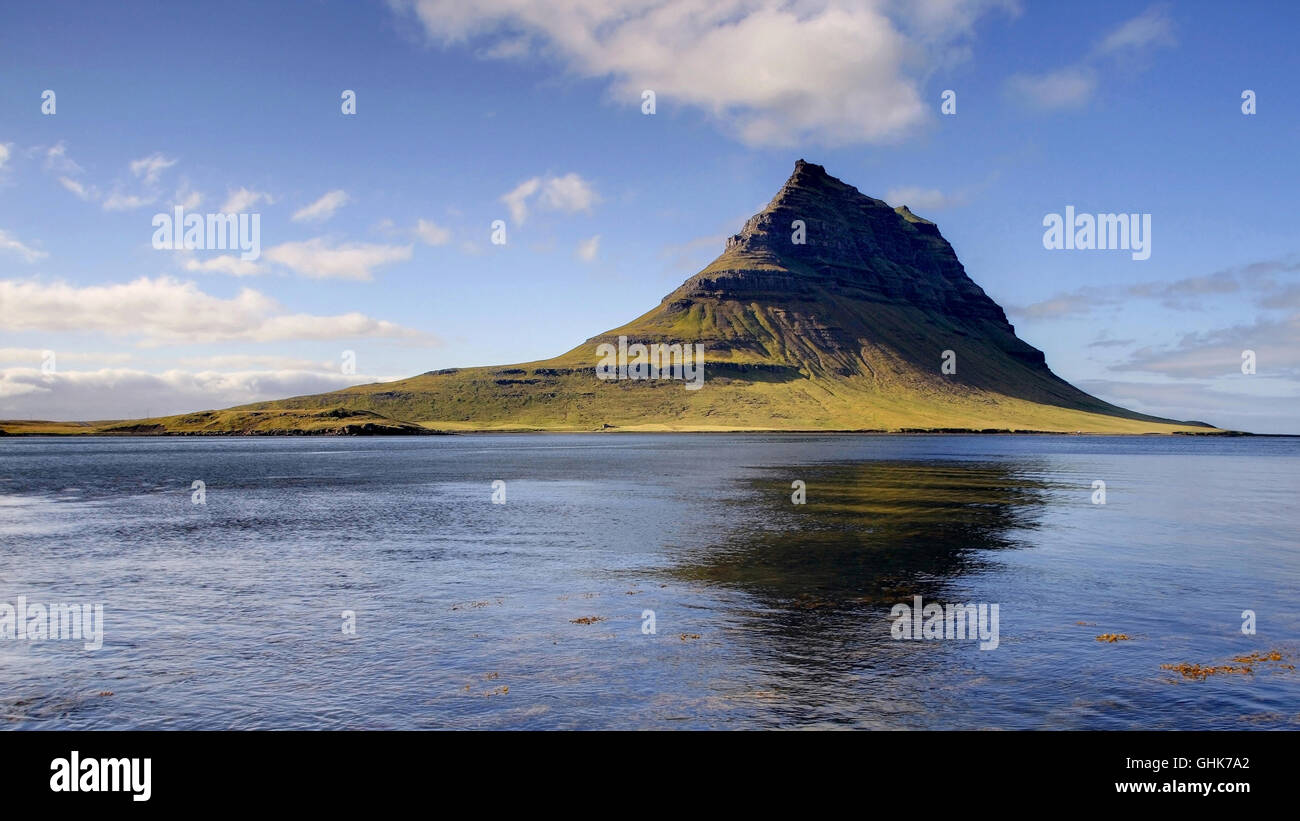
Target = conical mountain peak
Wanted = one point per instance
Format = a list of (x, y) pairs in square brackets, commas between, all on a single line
[(830, 310), (819, 219), (818, 231)]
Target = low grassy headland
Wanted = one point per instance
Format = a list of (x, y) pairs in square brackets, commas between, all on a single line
[(324, 422)]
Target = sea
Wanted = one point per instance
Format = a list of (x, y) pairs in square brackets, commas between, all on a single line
[(650, 581)]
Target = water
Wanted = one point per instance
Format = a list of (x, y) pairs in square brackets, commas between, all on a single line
[(228, 614)]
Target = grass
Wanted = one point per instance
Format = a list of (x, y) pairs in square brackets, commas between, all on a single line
[(326, 421)]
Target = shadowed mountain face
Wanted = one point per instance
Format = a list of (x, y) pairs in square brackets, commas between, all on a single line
[(830, 310), (854, 248)]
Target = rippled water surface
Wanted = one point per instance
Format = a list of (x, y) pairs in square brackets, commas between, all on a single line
[(529, 614)]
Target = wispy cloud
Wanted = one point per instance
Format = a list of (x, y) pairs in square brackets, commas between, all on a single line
[(568, 194), (430, 233), (1257, 280), (186, 197), (148, 169), (84, 192), (323, 208), (1069, 303), (1204, 401), (58, 161), (318, 259), (239, 200), (31, 357), (1206, 354), (589, 248), (11, 244), (929, 199), (228, 264), (118, 201), (1068, 87), (1152, 27), (227, 362), (1074, 85), (516, 199), (1111, 343)]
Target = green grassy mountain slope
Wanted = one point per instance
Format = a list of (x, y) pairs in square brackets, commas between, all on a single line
[(330, 421)]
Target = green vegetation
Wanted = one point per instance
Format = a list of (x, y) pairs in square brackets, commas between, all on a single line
[(764, 371), (327, 421)]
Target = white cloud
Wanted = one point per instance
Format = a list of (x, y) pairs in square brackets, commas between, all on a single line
[(323, 208), (4, 154), (827, 71), (1074, 85), (431, 233), (258, 361), (1217, 353), (225, 264), (1257, 280), (34, 356), (517, 198), (508, 49), (1150, 28), (242, 199), (82, 191), (149, 168), (164, 310), (58, 161), (569, 194), (588, 248), (1067, 88), (1223, 403), (1072, 303), (316, 259), (187, 197), (929, 199), (118, 393), (118, 201), (11, 244)]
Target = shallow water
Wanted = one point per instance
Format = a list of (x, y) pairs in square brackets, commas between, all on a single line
[(228, 614)]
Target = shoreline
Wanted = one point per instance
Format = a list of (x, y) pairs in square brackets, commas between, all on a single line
[(689, 431)]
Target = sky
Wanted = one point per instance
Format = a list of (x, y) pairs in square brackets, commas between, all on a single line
[(376, 255)]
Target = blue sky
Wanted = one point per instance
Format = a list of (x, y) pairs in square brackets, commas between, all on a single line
[(1109, 107)]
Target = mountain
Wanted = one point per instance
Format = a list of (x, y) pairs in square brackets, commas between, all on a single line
[(845, 331), (830, 310)]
